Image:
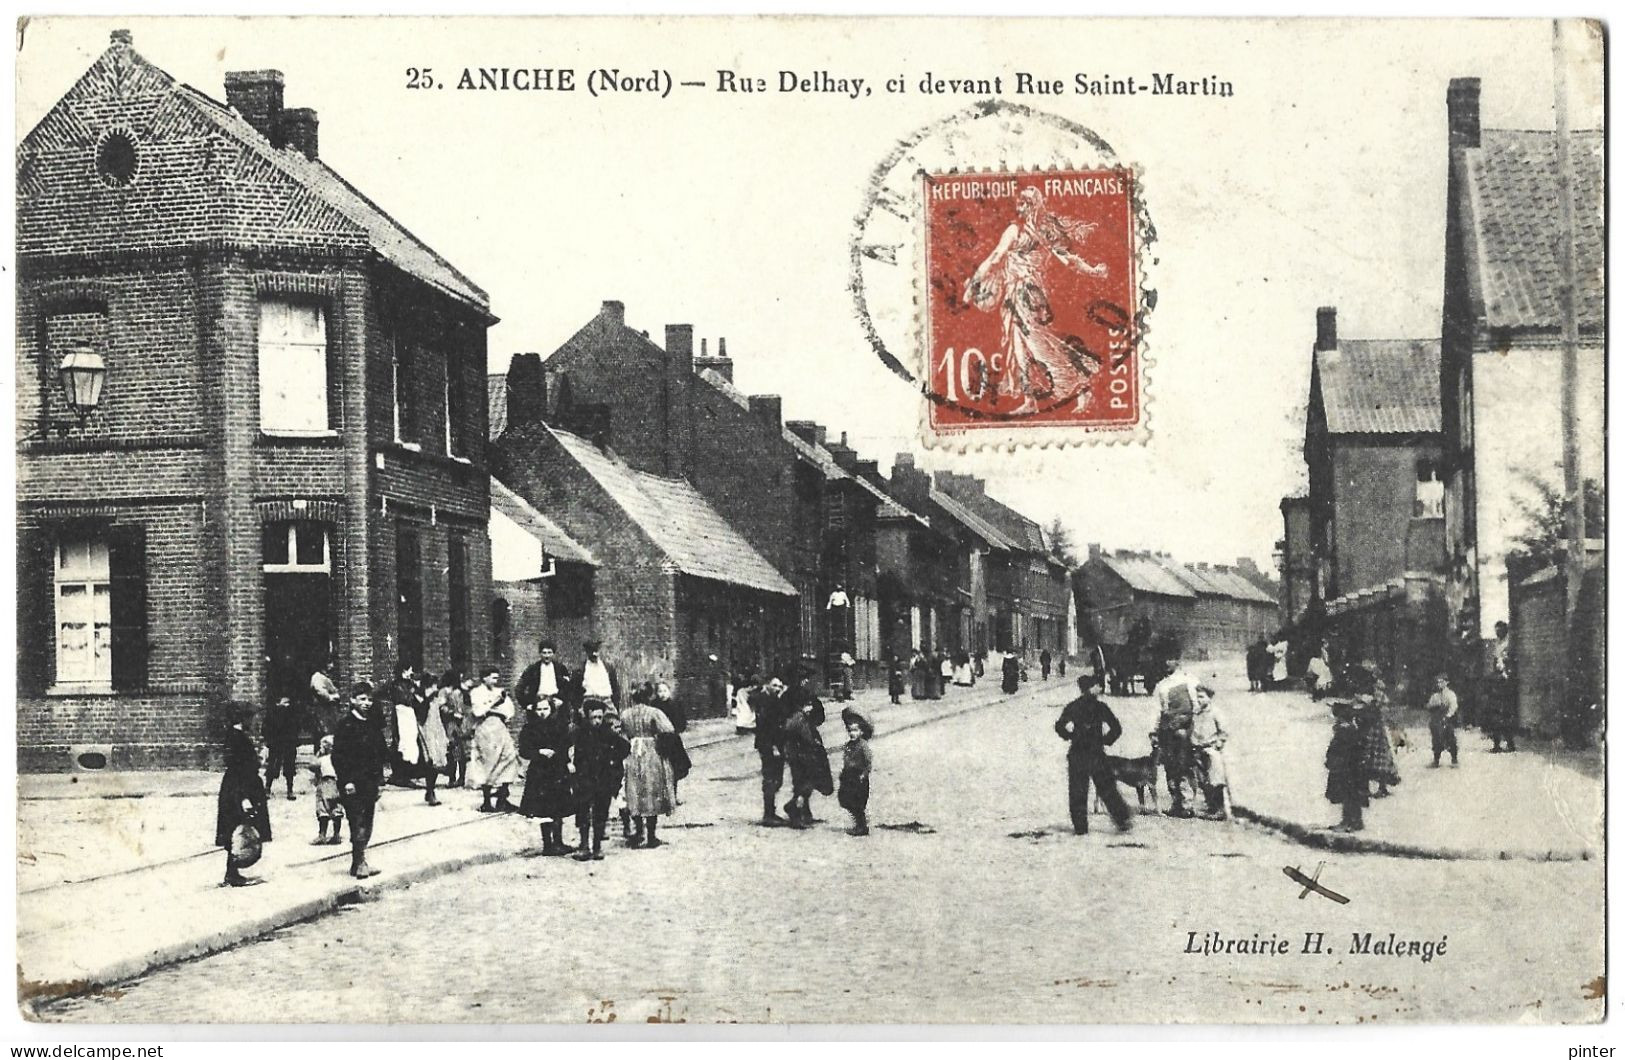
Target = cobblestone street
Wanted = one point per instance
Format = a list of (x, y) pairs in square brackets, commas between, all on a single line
[(970, 902)]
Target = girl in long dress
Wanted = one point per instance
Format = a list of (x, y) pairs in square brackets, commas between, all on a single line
[(1041, 362), (458, 724), (650, 793), (545, 743), (496, 760), (242, 796)]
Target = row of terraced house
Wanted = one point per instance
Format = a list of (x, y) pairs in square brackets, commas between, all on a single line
[(256, 431), (1430, 460)]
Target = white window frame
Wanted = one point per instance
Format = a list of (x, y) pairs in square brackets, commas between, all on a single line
[(287, 360), (97, 575), (445, 394), (293, 566)]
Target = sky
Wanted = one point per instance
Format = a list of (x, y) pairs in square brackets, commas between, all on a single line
[(1321, 181)]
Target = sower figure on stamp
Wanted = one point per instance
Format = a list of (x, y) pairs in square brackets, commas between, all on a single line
[(1012, 278), (1089, 727)]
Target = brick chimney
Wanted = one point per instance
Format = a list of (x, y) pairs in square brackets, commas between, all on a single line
[(720, 364), (1094, 550), (807, 431), (121, 36), (257, 96), (769, 408), (613, 312), (869, 471), (527, 390), (909, 484), (845, 456), (679, 398), (1461, 105), (298, 127), (1326, 328)]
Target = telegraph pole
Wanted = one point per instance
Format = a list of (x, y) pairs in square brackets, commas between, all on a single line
[(1573, 473)]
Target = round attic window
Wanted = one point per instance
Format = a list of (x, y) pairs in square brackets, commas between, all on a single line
[(116, 157)]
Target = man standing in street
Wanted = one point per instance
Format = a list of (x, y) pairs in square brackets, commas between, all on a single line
[(359, 755), (1176, 709), (771, 709), (1089, 727), (1501, 723), (598, 679), (546, 678), (1044, 660)]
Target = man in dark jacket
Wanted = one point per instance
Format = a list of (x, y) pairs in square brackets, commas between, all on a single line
[(359, 755), (771, 709), (547, 677), (1089, 725)]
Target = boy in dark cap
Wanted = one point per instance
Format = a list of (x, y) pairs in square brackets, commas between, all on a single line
[(855, 769)]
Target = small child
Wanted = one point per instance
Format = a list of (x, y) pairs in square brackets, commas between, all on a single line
[(599, 754), (855, 769), (1345, 767), (329, 810)]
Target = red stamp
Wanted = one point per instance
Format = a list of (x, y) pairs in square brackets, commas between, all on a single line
[(1031, 299)]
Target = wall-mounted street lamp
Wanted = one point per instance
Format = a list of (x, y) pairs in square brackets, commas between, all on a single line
[(82, 375)]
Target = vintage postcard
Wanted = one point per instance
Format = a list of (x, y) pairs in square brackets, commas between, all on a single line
[(809, 520)]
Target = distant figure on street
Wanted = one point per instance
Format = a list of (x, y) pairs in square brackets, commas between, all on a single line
[(650, 788), (1208, 737), (920, 676), (670, 745), (1256, 652), (1318, 674), (1089, 727), (896, 683), (599, 679), (806, 756), (496, 760), (325, 705), (1443, 712), (401, 698), (964, 673), (1176, 711), (1011, 673), (1060, 664), (1346, 782), (1277, 671), (770, 709), (359, 757), (1379, 748), (1501, 721), (242, 796), (325, 787), (434, 747), (846, 669), (280, 730), (544, 742), (856, 765), (745, 688), (600, 754), (450, 701), (945, 672), (1044, 661)]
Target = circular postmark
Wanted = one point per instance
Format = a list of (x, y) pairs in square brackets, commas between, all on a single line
[(998, 265)]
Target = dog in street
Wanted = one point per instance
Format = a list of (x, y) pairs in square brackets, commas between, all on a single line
[(1138, 773)]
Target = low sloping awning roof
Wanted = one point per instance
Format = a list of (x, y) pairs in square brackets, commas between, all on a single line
[(522, 538)]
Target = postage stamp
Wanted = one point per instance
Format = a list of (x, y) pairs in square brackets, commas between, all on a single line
[(1030, 293), (1001, 265)]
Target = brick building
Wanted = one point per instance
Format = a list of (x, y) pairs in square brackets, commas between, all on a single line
[(942, 600), (1029, 591), (288, 459), (1500, 367), (677, 585), (543, 584), (1132, 598), (669, 411)]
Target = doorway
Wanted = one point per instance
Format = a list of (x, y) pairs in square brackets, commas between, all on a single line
[(297, 561)]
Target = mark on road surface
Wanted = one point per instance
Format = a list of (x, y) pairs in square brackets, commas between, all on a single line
[(1313, 883)]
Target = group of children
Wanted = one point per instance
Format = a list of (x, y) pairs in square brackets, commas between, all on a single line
[(1361, 749)]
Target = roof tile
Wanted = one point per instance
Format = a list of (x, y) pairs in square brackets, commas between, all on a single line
[(1380, 386)]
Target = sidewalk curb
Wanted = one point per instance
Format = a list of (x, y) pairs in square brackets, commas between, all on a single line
[(1323, 839), (98, 980), (34, 994)]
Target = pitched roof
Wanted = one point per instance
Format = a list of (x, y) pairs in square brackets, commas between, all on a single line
[(555, 542), (1238, 586), (1197, 580), (989, 533), (388, 237), (697, 540), (311, 198), (496, 404), (1513, 213), (1380, 386), (817, 455), (1145, 574)]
